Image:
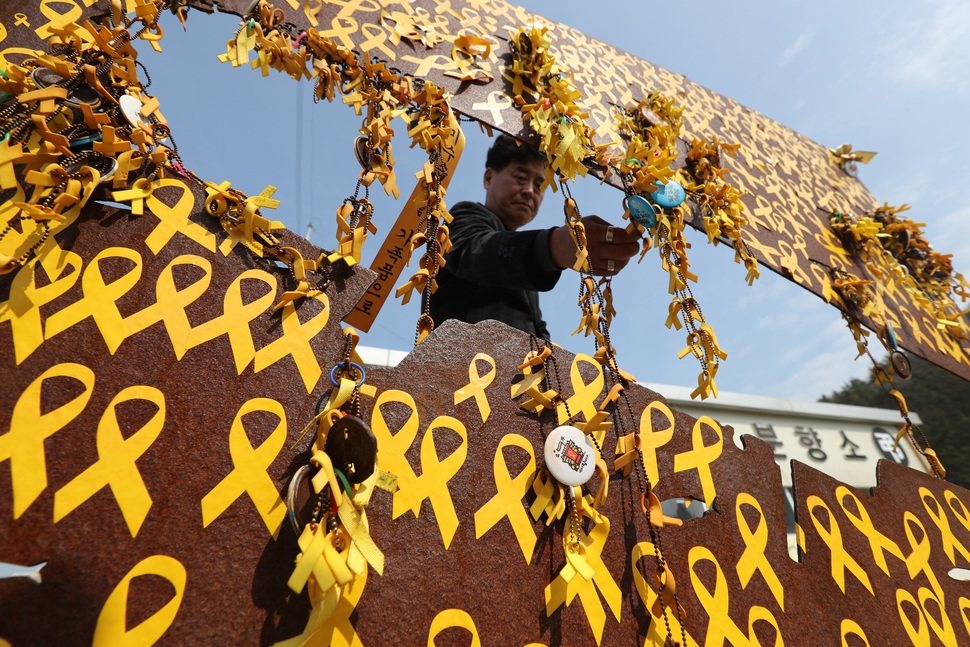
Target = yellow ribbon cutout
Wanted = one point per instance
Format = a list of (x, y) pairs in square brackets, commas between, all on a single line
[(453, 618), (700, 457), (509, 492), (755, 542), (249, 475), (942, 522), (832, 536), (878, 542), (100, 299), (477, 384), (852, 628), (920, 635), (918, 560), (433, 482), (23, 445), (647, 441), (237, 314), (295, 342), (116, 462), (113, 621), (717, 601), (23, 308), (583, 399), (171, 302)]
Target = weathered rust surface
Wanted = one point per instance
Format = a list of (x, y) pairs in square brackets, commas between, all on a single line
[(912, 531)]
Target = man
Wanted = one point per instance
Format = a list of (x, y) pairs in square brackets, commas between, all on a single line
[(495, 271)]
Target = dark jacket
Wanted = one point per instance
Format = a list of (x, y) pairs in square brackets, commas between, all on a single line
[(493, 273)]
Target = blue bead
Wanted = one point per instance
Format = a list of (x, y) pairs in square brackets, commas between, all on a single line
[(669, 195), (642, 211)]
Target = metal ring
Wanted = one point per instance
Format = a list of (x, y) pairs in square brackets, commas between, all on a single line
[(609, 234), (333, 372), (610, 265)]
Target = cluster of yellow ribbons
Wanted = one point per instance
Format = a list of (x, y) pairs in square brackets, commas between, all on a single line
[(720, 202), (432, 127), (41, 156), (894, 249), (336, 548), (547, 96), (651, 129), (380, 95)]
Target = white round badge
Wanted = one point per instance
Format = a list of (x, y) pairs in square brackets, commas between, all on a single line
[(570, 456), (131, 109)]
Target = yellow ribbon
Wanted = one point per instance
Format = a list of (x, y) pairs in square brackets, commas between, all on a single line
[(249, 475), (171, 302), (852, 628), (295, 342), (433, 482), (700, 457), (453, 618), (878, 542), (647, 441), (116, 462), (23, 445), (507, 501), (175, 219), (583, 399), (755, 542), (939, 517), (112, 628), (832, 536), (237, 315), (477, 384), (920, 634), (355, 523), (716, 601), (23, 308), (918, 560), (551, 498), (100, 299)]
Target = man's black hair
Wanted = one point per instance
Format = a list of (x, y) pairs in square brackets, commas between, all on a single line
[(507, 149)]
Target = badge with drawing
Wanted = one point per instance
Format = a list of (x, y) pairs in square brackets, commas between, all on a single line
[(570, 456)]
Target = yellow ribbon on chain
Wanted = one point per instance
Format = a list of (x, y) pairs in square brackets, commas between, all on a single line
[(584, 572)]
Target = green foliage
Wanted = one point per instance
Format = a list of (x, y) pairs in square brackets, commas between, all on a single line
[(942, 401)]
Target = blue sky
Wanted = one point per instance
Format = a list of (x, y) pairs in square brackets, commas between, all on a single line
[(889, 76)]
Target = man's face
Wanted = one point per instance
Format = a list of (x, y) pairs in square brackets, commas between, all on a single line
[(515, 193)]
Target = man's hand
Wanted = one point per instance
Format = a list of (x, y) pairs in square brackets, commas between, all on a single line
[(610, 248)]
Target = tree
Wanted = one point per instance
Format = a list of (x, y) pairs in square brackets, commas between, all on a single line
[(942, 401)]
